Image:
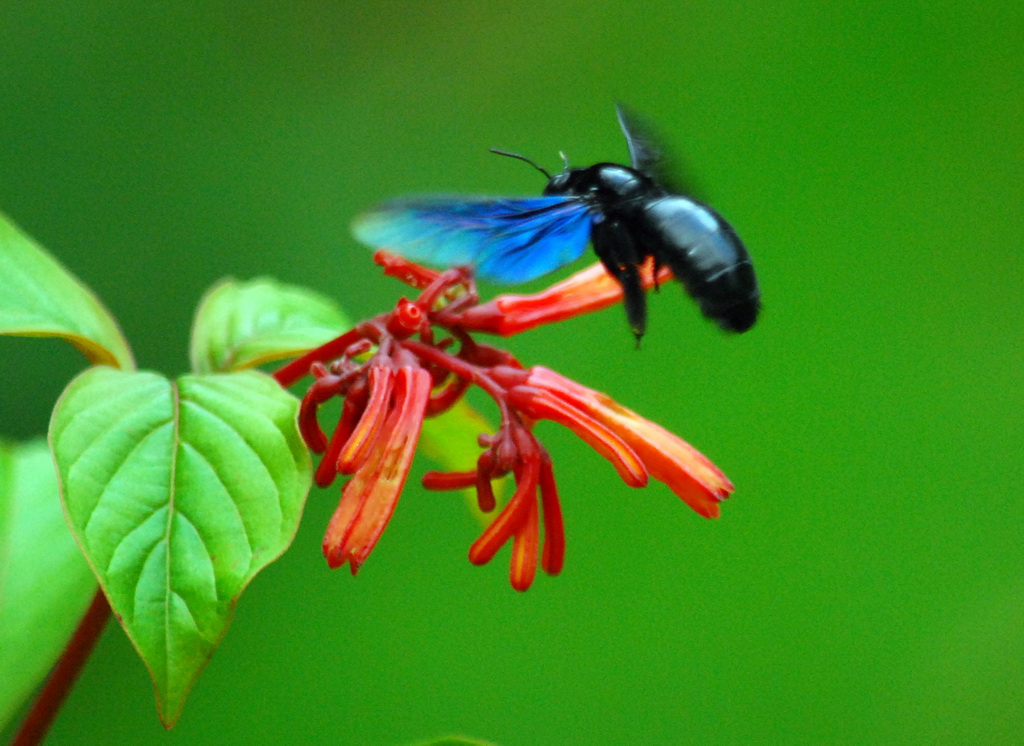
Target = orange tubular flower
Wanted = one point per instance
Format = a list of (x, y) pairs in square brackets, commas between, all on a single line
[(667, 457), (592, 289), (369, 498), (423, 360)]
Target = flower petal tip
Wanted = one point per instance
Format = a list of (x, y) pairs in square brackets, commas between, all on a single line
[(522, 584), (479, 556), (335, 558)]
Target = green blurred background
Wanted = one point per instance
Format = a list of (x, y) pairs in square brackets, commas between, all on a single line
[(866, 581)]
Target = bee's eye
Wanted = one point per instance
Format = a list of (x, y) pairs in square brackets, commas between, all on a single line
[(558, 184)]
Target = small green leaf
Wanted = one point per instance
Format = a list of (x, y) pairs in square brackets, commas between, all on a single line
[(39, 297), (450, 440), (45, 583), (179, 493), (243, 324)]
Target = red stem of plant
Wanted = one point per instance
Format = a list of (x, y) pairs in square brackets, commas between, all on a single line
[(458, 366), (299, 367), (44, 710)]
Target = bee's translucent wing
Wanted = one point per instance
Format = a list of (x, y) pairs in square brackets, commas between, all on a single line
[(648, 155), (507, 240)]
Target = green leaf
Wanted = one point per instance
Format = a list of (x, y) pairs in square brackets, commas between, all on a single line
[(455, 741), (45, 583), (243, 324), (179, 493), (450, 440), (39, 297)]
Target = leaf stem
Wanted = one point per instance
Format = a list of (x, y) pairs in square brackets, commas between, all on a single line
[(44, 710)]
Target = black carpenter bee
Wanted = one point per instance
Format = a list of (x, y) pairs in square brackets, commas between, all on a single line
[(628, 213)]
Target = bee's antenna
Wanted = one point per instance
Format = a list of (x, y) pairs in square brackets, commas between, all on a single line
[(522, 158)]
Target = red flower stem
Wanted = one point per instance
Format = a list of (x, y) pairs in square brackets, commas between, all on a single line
[(441, 284), (458, 366), (44, 710), (309, 427), (327, 469), (461, 303), (298, 368), (463, 369), (447, 397), (449, 480)]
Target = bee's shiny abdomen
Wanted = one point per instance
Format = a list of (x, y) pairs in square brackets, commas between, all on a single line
[(707, 256)]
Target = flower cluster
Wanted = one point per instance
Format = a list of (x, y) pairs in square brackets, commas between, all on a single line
[(417, 360)]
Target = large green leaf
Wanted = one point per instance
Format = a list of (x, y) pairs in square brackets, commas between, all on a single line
[(243, 324), (45, 584), (39, 297), (178, 493)]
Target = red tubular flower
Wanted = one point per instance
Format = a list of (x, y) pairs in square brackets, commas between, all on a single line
[(364, 436), (423, 360), (590, 290), (519, 521), (369, 498), (540, 404), (665, 456), (554, 534)]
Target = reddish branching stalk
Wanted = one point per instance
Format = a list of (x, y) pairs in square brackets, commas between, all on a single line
[(418, 360), (57, 687)]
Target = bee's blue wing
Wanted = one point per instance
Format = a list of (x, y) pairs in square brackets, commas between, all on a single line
[(506, 240)]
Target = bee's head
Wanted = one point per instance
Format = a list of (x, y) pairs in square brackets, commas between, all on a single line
[(605, 182)]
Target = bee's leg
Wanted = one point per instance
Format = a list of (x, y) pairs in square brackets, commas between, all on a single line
[(657, 268), (615, 248)]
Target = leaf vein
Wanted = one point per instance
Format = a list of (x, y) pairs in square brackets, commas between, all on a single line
[(171, 489), (206, 549), (95, 438), (105, 491), (259, 457), (231, 499)]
